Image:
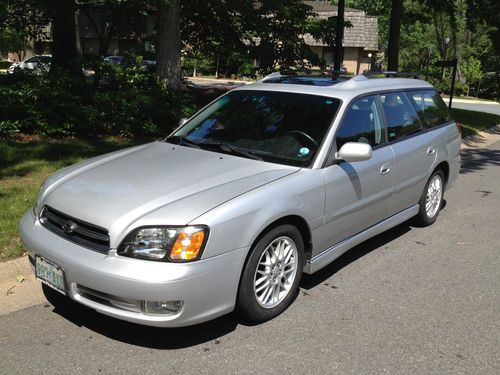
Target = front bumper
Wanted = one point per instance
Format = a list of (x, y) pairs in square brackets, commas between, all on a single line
[(207, 287)]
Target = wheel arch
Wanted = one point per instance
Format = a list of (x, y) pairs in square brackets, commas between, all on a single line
[(295, 220), (445, 167)]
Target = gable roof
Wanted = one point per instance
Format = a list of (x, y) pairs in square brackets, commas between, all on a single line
[(364, 30)]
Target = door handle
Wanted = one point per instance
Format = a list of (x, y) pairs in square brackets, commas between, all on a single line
[(431, 150), (385, 169)]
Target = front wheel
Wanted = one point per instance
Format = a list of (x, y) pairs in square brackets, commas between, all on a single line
[(272, 274), (431, 200)]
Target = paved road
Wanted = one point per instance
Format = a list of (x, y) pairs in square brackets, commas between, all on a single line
[(488, 108), (414, 300)]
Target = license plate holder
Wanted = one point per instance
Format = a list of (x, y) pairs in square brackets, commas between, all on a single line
[(50, 274)]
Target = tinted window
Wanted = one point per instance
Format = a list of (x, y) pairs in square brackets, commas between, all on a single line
[(277, 126), (45, 59), (430, 107), (361, 123), (400, 116)]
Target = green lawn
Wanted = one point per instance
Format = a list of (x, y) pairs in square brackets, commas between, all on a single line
[(23, 168), (25, 165), (471, 122)]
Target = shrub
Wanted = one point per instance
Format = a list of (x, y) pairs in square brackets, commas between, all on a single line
[(125, 101)]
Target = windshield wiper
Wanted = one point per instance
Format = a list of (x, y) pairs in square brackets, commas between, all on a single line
[(230, 149), (183, 141)]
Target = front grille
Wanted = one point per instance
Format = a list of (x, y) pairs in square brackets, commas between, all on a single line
[(77, 231)]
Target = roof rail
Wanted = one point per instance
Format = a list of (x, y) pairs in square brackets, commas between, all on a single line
[(334, 74), (390, 74)]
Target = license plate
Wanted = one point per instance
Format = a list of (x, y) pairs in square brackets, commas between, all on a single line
[(50, 274)]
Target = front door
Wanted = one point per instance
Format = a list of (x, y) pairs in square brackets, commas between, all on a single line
[(358, 193)]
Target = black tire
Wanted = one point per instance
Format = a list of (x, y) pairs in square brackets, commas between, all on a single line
[(423, 219), (247, 304)]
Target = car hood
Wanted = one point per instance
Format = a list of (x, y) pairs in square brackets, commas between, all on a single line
[(167, 183)]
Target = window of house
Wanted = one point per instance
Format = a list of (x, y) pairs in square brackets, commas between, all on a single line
[(361, 123), (401, 118), (430, 107)]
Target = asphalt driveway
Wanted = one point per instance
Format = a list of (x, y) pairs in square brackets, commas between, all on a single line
[(413, 300)]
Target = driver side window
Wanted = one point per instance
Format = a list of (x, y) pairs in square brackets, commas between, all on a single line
[(361, 123)]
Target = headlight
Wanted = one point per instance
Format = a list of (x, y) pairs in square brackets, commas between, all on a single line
[(165, 243), (36, 206)]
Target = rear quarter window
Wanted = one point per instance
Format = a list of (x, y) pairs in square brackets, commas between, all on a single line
[(430, 107)]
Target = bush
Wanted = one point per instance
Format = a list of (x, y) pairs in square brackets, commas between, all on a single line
[(444, 86), (489, 87), (125, 101)]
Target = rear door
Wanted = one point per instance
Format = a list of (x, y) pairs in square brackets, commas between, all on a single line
[(414, 151), (358, 193)]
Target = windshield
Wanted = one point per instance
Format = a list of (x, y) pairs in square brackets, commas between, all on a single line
[(278, 127)]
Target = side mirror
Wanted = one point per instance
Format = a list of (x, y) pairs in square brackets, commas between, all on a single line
[(182, 121), (354, 151)]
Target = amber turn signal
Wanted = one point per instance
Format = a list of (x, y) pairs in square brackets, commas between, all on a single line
[(188, 244)]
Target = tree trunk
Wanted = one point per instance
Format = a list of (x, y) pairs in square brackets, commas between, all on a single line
[(78, 40), (64, 53), (339, 37), (394, 31), (168, 63)]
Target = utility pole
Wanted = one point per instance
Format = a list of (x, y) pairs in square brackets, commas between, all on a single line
[(338, 56)]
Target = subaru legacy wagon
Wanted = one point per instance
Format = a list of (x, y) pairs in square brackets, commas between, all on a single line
[(267, 182)]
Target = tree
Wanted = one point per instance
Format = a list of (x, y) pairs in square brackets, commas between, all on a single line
[(339, 36), (111, 18), (64, 52), (471, 69), (20, 22), (13, 41), (394, 34), (277, 29), (218, 33), (168, 62)]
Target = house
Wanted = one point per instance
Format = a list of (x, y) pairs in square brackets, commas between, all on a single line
[(360, 41)]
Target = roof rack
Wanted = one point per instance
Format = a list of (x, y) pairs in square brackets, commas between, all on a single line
[(390, 74), (334, 74)]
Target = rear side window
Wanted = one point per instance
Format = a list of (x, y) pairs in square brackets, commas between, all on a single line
[(401, 118), (361, 123), (430, 107)]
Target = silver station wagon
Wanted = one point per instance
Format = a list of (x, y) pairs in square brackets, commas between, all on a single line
[(270, 180)]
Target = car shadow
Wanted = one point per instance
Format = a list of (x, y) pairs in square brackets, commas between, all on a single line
[(177, 338), (311, 281), (135, 334)]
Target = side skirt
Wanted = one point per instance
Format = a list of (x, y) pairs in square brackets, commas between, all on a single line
[(328, 256)]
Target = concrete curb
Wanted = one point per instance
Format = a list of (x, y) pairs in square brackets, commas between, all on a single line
[(481, 139), (16, 295), (470, 101)]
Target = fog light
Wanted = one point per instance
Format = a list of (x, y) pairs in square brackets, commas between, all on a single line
[(162, 307)]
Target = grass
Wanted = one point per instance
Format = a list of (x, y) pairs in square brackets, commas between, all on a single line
[(25, 165), (23, 168), (472, 122)]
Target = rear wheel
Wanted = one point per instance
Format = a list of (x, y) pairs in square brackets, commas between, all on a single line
[(431, 199), (271, 277)]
